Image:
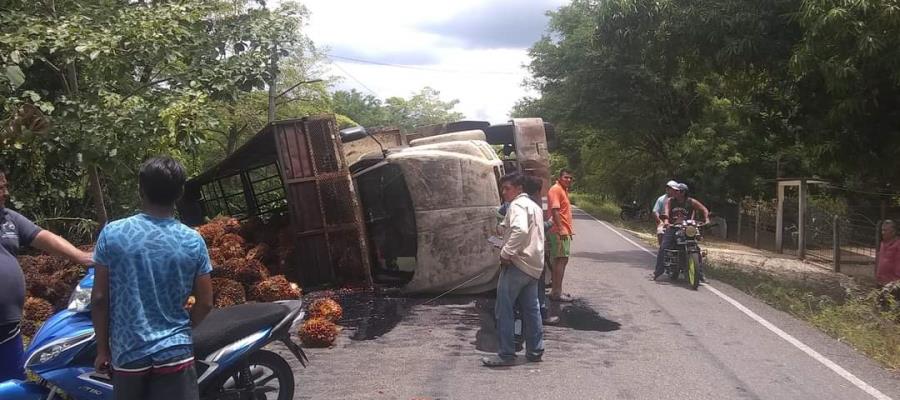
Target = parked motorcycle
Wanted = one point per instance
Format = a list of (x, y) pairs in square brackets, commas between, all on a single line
[(686, 258), (228, 351), (634, 212)]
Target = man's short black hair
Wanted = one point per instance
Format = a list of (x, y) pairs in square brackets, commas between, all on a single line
[(532, 186), (516, 179), (565, 171), (162, 180), (3, 170)]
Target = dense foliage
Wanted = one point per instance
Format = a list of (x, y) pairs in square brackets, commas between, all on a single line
[(726, 95)]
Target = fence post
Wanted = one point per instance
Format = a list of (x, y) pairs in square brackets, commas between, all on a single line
[(739, 222), (877, 245), (801, 220), (837, 243), (756, 229)]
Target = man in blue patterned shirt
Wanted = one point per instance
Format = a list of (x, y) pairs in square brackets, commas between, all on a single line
[(147, 266)]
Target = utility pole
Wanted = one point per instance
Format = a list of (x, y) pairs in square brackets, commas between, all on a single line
[(273, 78)]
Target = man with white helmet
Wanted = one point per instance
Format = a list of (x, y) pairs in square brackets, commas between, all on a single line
[(659, 208), (678, 208)]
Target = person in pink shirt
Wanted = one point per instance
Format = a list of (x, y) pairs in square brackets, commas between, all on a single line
[(888, 254)]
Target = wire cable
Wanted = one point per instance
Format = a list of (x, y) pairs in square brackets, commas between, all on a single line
[(357, 80)]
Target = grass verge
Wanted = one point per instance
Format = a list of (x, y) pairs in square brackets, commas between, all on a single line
[(855, 318)]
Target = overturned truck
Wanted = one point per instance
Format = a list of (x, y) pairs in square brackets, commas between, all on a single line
[(377, 207)]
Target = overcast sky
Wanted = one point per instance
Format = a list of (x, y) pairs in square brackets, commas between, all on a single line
[(469, 50)]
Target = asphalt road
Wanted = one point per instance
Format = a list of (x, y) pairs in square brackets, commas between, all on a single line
[(626, 337)]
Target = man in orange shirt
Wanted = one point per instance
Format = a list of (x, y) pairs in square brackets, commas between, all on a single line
[(561, 232)]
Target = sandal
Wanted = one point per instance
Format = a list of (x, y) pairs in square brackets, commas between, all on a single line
[(563, 298), (497, 361)]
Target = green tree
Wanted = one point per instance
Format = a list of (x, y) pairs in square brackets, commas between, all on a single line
[(643, 91), (365, 109), (424, 107), (846, 65), (120, 81)]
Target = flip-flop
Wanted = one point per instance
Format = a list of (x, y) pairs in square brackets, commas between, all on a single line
[(497, 361), (563, 298)]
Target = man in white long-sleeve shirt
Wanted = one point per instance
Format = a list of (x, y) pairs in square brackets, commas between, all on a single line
[(522, 261)]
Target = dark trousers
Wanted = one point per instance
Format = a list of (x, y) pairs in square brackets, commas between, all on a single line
[(12, 353), (668, 242), (181, 385)]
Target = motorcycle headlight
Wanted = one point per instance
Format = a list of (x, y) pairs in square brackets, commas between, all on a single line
[(49, 352), (80, 301), (691, 231)]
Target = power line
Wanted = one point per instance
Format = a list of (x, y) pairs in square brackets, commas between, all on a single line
[(357, 80), (415, 67)]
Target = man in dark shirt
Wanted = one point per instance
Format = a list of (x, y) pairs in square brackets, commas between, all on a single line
[(16, 232)]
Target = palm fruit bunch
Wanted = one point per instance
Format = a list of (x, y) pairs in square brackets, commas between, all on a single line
[(50, 278), (29, 327), (318, 332), (232, 246), (274, 289), (211, 231), (327, 309), (227, 292), (37, 309), (49, 282), (253, 254), (246, 272), (261, 252)]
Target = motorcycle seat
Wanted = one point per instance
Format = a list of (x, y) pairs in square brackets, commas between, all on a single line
[(224, 326)]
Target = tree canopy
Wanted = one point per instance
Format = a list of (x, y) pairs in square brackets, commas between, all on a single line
[(424, 107), (90, 88), (724, 94)]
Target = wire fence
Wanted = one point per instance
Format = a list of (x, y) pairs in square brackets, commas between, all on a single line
[(846, 243)]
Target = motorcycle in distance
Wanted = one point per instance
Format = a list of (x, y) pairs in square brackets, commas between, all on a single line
[(686, 257), (634, 212), (228, 349)]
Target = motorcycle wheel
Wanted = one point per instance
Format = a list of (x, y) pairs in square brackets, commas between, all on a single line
[(693, 270), (272, 372), (625, 215)]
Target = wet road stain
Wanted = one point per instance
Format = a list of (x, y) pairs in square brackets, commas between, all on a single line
[(369, 315), (577, 315)]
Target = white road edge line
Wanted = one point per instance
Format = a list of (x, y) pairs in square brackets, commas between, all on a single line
[(774, 329)]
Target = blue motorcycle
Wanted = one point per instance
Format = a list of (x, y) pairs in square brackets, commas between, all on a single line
[(228, 351)]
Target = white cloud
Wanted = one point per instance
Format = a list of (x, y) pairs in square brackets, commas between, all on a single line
[(486, 80)]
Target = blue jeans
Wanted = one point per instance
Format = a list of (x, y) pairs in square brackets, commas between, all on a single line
[(542, 293), (668, 242), (516, 287)]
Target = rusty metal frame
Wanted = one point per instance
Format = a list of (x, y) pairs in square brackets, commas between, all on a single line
[(299, 169)]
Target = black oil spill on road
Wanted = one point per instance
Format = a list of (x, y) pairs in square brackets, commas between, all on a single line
[(370, 316), (577, 315)]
